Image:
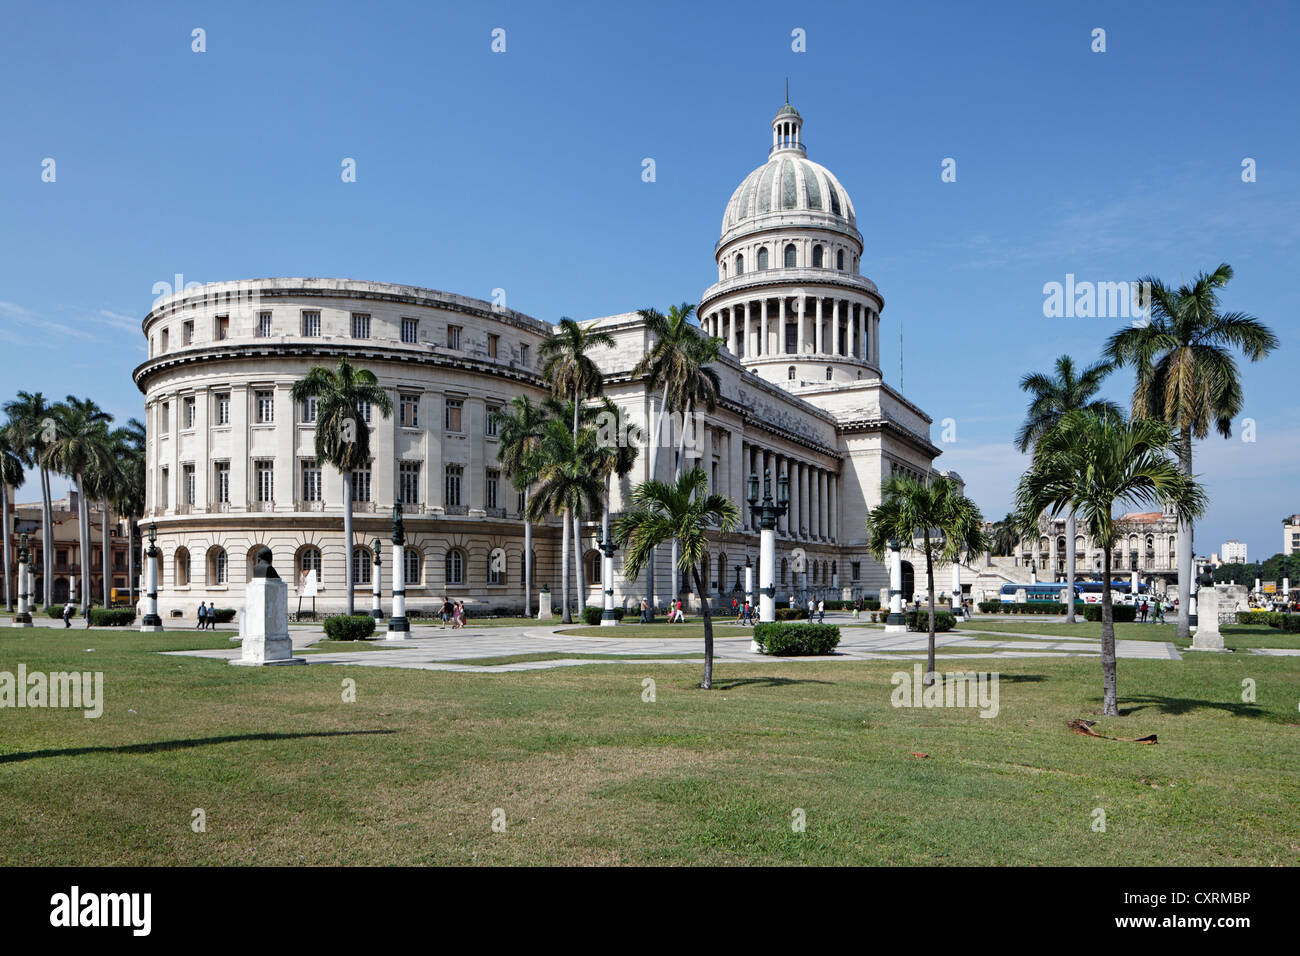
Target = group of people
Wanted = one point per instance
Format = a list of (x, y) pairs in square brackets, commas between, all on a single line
[(1156, 610), (452, 612), (207, 617)]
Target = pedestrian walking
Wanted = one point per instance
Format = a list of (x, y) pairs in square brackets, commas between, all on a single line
[(445, 613), (1159, 616), (1143, 616), (199, 616), (812, 608), (212, 616), (821, 611), (86, 615), (645, 612), (67, 614)]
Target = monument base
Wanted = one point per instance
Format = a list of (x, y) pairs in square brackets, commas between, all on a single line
[(240, 662), (150, 628), (895, 628), (18, 623)]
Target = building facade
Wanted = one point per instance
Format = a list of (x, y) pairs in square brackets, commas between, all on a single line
[(231, 460), (1233, 552), (1291, 534), (67, 562)]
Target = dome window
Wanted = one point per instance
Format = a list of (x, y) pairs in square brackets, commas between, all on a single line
[(789, 373), (762, 258), (828, 374), (817, 257), (839, 260), (740, 264), (790, 256)]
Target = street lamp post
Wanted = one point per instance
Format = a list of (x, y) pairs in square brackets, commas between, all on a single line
[(151, 621), (24, 616), (375, 582), (607, 618), (894, 621), (398, 626), (765, 515)]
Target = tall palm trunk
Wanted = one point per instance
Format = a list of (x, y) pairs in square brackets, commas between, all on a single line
[(47, 538), (103, 552), (347, 538), (651, 475), (929, 583), (707, 683), (4, 521), (1184, 544), (1109, 705), (1069, 568), (528, 559), (566, 616), (83, 519), (677, 476), (579, 564), (130, 558)]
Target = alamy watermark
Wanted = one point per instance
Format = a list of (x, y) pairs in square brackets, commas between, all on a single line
[(969, 689), (77, 690), (1084, 299)]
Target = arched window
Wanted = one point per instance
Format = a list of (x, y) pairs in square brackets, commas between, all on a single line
[(762, 258), (454, 567), (834, 570), (817, 257), (740, 264), (592, 559), (722, 571), (412, 566), (784, 568), (839, 260), (182, 567), (360, 566), (790, 256), (789, 373), (496, 570), (828, 375), (218, 566), (309, 560)]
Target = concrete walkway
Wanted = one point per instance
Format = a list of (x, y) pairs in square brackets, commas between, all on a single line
[(433, 648)]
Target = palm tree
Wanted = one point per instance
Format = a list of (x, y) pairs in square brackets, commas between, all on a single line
[(949, 524), (81, 450), (1187, 376), (678, 364), (31, 430), (684, 511), (129, 491), (11, 475), (569, 368), (1005, 537), (1090, 463), (519, 454), (342, 437), (1052, 397), (568, 484)]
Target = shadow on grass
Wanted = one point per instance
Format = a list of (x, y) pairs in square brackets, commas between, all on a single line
[(1021, 678), (164, 745), (1185, 705), (732, 683)]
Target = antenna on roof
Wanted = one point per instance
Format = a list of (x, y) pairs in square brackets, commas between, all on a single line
[(787, 91)]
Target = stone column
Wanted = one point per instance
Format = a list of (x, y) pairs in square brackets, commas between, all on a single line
[(833, 484), (764, 346), (820, 337), (835, 326), (851, 327), (801, 315)]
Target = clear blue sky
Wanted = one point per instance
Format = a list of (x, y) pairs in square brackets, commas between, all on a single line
[(522, 170)]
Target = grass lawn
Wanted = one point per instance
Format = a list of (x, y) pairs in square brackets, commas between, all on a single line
[(553, 656), (1235, 636), (587, 772)]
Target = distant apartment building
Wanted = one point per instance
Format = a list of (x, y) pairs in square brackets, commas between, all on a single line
[(1232, 551), (1291, 534)]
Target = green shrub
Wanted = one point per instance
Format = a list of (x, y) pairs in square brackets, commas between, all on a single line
[(592, 615), (989, 607), (943, 620), (223, 615), (111, 617), (57, 612), (344, 628), (791, 614), (789, 639), (1120, 613)]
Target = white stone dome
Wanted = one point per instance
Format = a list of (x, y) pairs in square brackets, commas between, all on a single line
[(788, 183)]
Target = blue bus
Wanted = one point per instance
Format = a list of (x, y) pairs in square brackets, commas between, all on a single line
[(1040, 593)]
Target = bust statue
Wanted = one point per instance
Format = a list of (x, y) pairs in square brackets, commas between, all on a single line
[(262, 567)]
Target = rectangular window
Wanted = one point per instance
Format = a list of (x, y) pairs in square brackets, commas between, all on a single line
[(311, 323), (263, 324), (857, 570), (493, 483), (187, 332), (223, 409), (454, 408), (264, 480), (164, 339), (222, 329), (523, 355), (311, 482), (361, 484), (361, 325), (491, 428), (265, 402), (453, 336), (493, 342), (221, 479), (363, 409), (410, 331), (187, 484), (791, 338), (165, 417), (308, 410), (187, 413), (408, 482), (408, 411), (164, 491), (454, 473)]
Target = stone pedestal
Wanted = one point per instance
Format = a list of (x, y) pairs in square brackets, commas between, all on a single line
[(544, 605), (1220, 600), (265, 621)]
